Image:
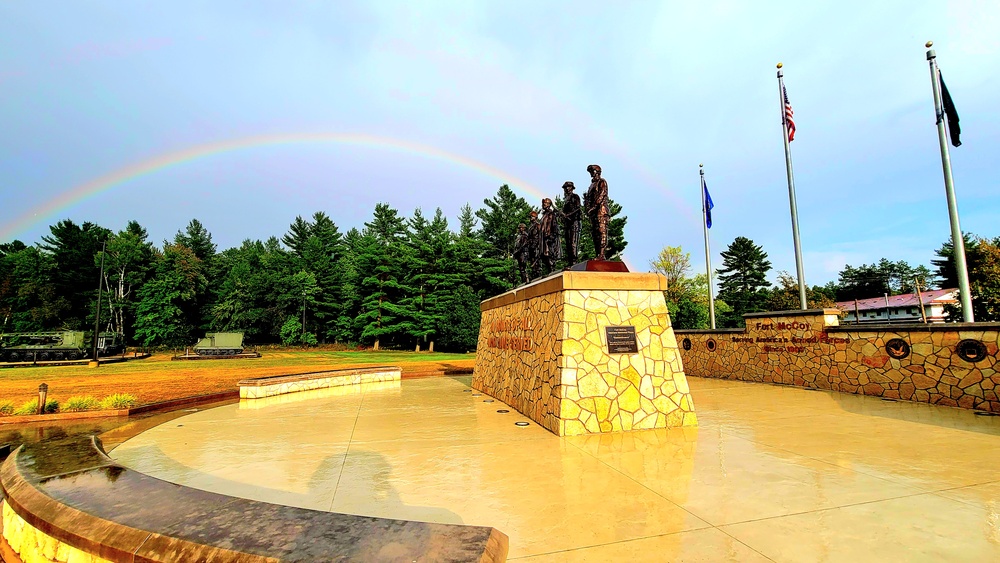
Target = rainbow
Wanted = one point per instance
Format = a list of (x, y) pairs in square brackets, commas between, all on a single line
[(177, 158)]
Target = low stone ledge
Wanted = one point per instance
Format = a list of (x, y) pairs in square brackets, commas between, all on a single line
[(261, 387), (67, 495), (914, 327), (567, 280)]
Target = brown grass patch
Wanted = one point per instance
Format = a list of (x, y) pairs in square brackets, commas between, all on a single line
[(157, 378)]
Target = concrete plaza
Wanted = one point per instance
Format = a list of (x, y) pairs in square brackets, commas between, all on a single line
[(771, 473)]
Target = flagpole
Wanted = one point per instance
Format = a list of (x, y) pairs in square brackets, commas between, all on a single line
[(791, 194), (957, 241), (708, 252)]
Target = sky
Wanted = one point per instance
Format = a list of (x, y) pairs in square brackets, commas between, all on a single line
[(246, 114)]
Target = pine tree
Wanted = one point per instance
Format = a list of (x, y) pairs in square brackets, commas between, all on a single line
[(75, 273), (500, 218), (298, 232), (742, 279), (381, 261)]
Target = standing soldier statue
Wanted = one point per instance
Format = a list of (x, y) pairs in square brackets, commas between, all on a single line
[(522, 249), (572, 216), (548, 230), (596, 202)]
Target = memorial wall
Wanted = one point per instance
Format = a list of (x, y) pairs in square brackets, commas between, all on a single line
[(952, 364)]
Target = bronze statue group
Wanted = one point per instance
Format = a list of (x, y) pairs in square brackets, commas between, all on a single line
[(539, 247)]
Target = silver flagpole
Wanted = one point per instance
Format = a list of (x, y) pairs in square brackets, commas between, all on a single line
[(957, 241), (708, 252), (791, 194)]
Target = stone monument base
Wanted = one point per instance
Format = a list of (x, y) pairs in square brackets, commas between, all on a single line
[(585, 352)]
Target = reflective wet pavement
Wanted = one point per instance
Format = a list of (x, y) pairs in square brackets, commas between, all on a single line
[(771, 473)]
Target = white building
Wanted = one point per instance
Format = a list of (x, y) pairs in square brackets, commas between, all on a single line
[(899, 308)]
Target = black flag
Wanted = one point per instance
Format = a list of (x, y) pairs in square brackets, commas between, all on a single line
[(949, 110)]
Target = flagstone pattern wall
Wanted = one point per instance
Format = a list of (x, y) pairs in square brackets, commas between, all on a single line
[(543, 350), (33, 545), (811, 349), (262, 387)]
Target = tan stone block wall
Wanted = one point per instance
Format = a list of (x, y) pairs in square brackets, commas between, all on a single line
[(820, 354), (527, 380), (547, 356), (34, 546), (604, 392)]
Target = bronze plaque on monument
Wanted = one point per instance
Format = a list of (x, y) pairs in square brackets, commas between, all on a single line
[(621, 340)]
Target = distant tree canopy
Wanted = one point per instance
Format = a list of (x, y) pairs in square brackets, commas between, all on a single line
[(395, 282)]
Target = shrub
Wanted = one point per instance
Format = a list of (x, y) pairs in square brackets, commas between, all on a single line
[(119, 401), (74, 404), (28, 407), (6, 408)]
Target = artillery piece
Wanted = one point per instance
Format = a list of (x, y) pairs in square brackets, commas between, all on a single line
[(56, 346)]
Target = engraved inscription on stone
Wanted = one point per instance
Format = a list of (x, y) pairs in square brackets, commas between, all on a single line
[(621, 340)]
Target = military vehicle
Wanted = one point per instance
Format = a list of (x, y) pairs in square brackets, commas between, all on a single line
[(56, 346), (220, 344)]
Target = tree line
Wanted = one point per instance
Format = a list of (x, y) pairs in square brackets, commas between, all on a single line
[(396, 282), (744, 287)]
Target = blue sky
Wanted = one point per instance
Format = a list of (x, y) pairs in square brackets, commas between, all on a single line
[(538, 90)]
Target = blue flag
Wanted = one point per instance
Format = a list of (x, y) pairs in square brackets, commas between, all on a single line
[(708, 206)]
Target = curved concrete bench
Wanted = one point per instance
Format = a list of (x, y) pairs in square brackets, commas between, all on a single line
[(69, 490)]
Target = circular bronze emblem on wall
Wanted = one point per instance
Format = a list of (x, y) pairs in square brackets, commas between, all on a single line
[(971, 350), (686, 343), (897, 348), (710, 344)]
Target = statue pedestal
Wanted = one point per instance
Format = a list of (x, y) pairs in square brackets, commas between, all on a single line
[(585, 352)]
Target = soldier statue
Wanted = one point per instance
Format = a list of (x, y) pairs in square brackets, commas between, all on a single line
[(596, 203), (572, 216), (522, 250), (549, 247)]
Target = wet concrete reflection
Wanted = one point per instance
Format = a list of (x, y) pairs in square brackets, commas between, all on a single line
[(772, 472)]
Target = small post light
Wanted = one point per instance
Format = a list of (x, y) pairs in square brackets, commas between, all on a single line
[(43, 391)]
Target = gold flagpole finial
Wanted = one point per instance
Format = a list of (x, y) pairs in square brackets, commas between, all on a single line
[(780, 65), (929, 44), (701, 166)]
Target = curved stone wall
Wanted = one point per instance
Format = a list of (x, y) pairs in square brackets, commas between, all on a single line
[(952, 364), (66, 500)]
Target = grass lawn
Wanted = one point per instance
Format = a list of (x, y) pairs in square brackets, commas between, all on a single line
[(158, 378)]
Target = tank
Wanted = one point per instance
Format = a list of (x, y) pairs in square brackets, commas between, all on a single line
[(220, 344), (55, 346)]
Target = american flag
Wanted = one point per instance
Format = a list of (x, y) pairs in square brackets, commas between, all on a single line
[(788, 116)]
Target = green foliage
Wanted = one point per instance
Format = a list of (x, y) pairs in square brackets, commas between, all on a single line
[(27, 408), (944, 265), (75, 404), (399, 281), (884, 277), (982, 257), (6, 408), (687, 297), (459, 331), (500, 218), (74, 274), (118, 401), (164, 312), (30, 407), (742, 280), (291, 334), (785, 296), (128, 261)]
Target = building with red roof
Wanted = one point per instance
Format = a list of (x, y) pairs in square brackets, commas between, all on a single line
[(903, 308)]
